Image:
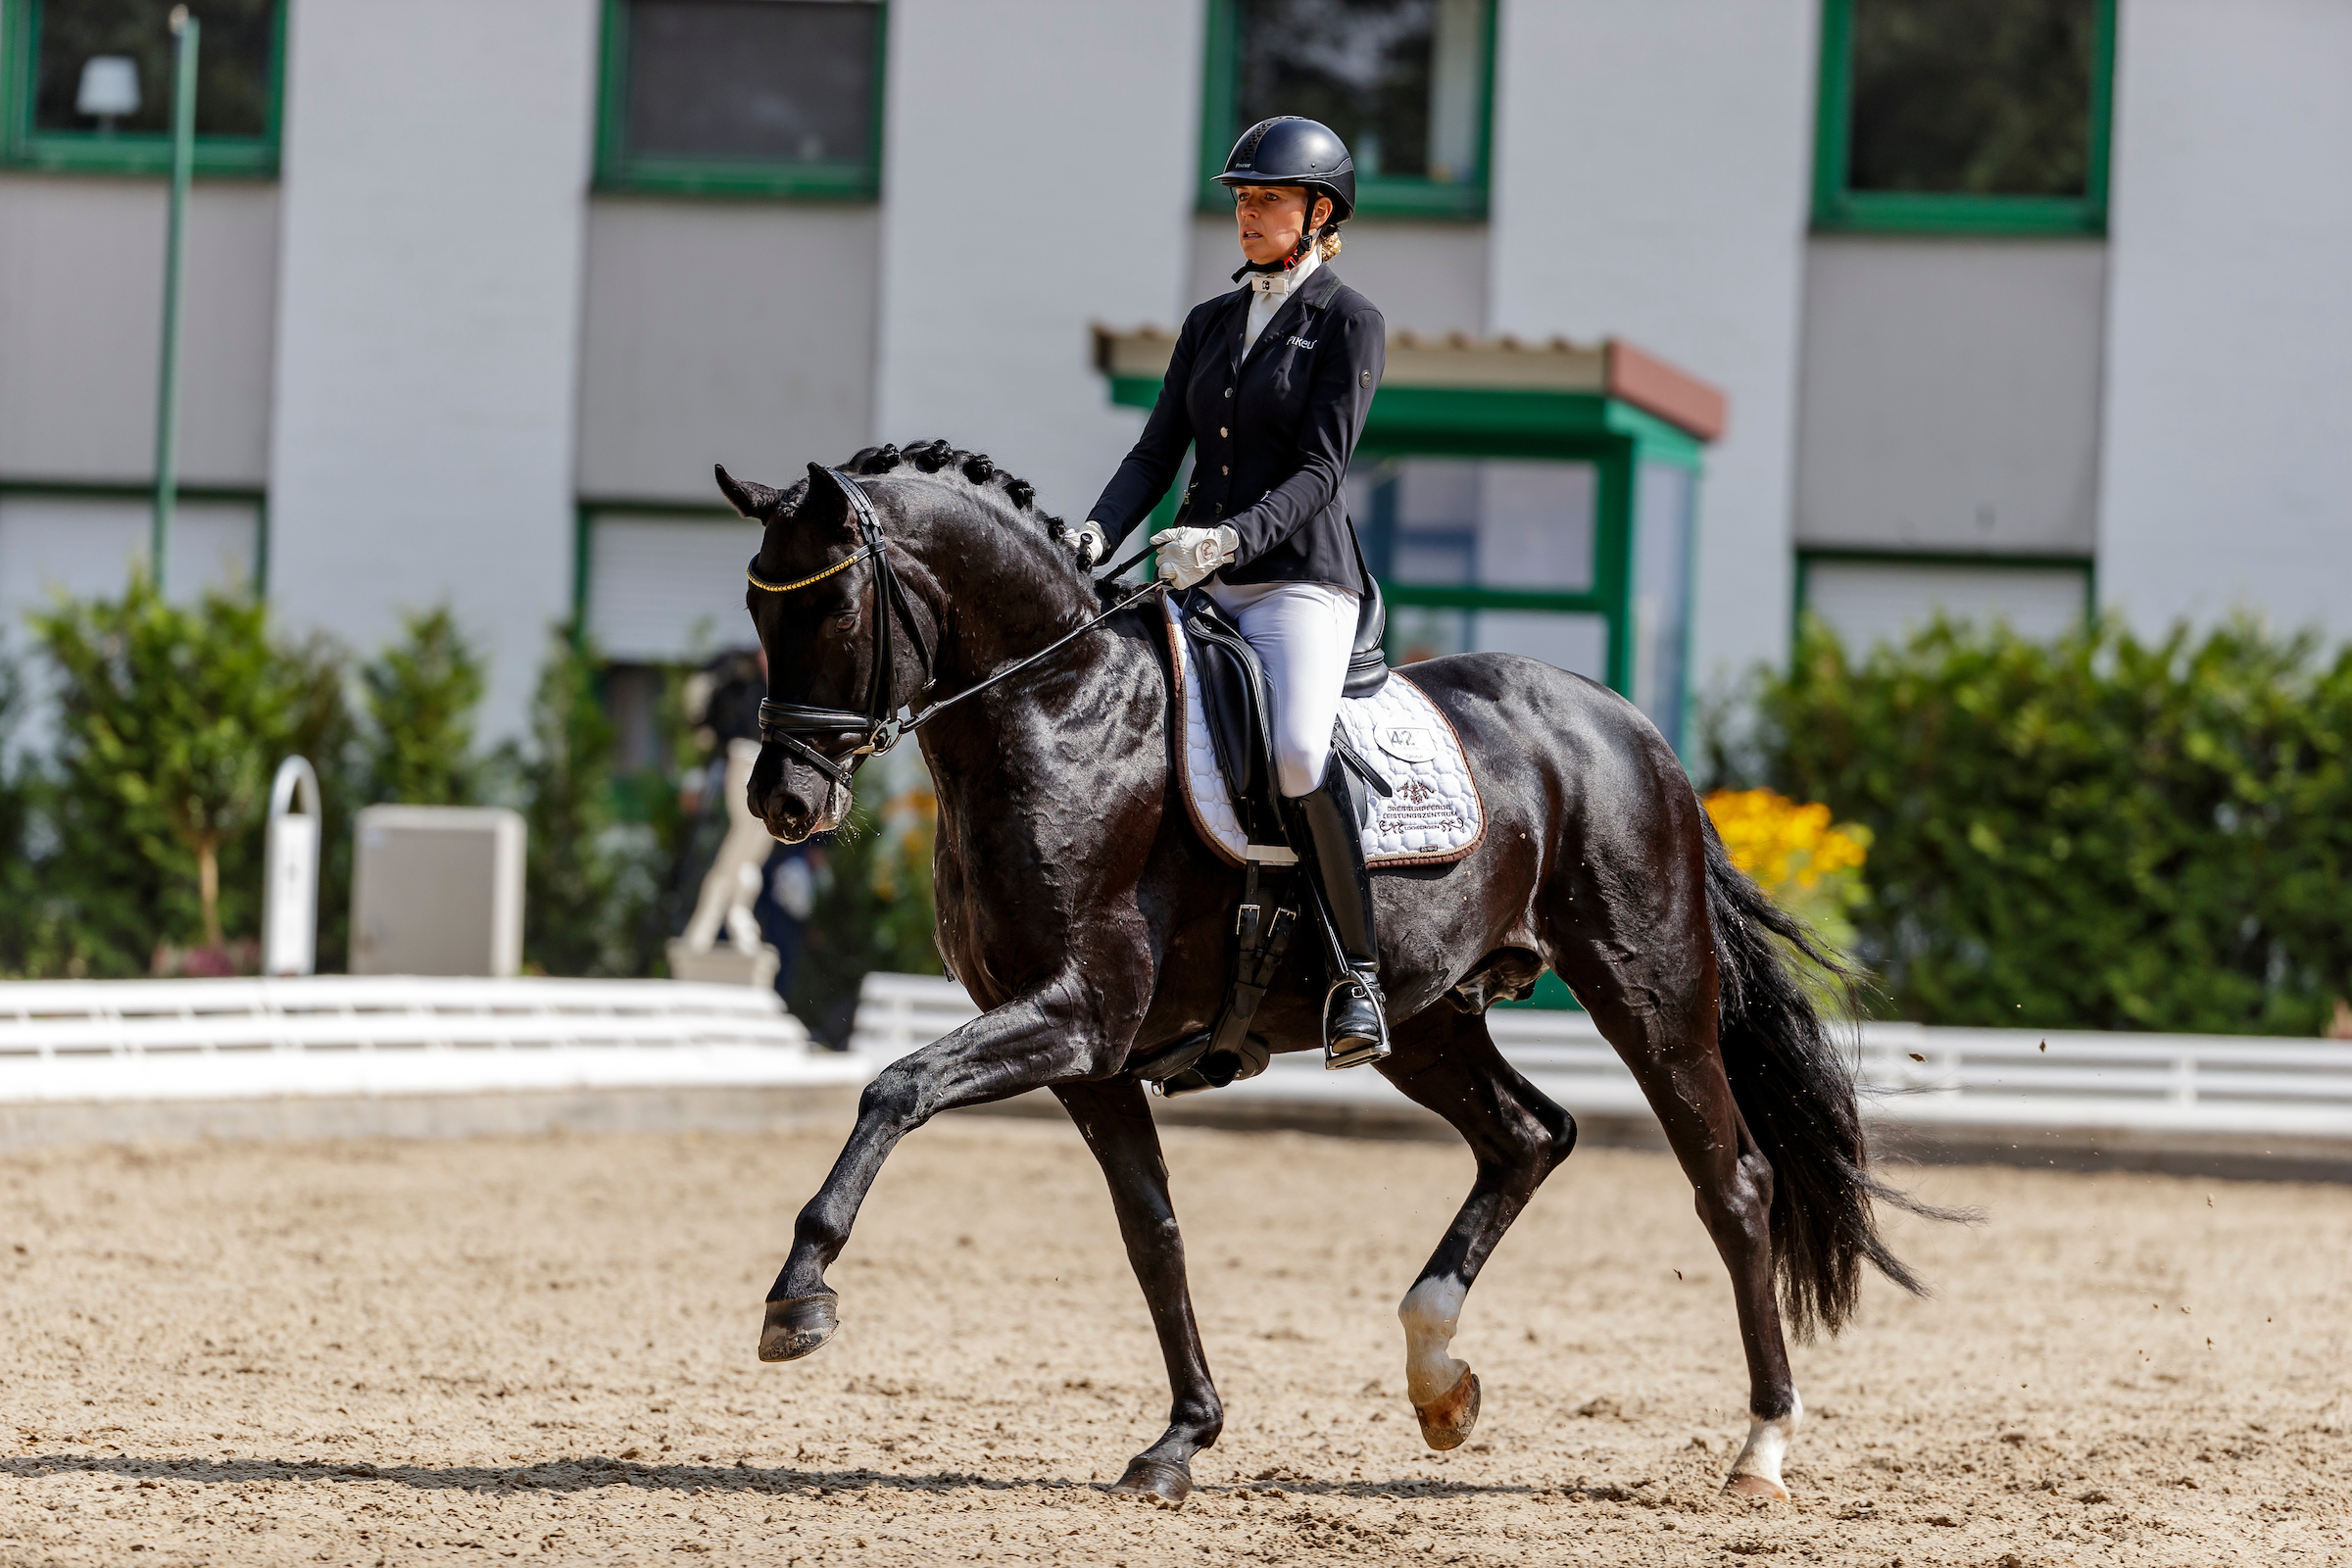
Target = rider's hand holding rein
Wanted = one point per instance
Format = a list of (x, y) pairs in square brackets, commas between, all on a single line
[(1188, 555)]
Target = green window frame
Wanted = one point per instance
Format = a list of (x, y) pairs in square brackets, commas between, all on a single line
[(1376, 195), (1838, 210), (144, 153), (616, 169)]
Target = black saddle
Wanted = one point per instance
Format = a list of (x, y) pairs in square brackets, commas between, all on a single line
[(1238, 701)]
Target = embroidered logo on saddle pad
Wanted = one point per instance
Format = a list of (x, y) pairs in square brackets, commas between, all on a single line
[(1433, 815)]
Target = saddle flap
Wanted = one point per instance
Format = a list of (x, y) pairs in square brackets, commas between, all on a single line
[(1236, 702)]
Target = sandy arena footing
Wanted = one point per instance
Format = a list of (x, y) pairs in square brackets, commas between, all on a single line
[(393, 1353)]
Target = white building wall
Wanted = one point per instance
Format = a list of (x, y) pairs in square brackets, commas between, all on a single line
[(81, 311), (1652, 163), (2228, 476), (435, 171), (999, 249)]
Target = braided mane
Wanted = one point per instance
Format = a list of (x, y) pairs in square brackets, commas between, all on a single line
[(938, 460)]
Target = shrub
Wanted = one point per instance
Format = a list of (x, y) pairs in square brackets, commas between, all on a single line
[(2098, 832), (1804, 864), (420, 695), (169, 719), (589, 874)]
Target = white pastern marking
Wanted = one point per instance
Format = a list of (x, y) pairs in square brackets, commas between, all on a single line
[(1431, 1311), (1768, 1442)]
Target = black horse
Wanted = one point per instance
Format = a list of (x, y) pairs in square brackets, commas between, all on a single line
[(1080, 908)]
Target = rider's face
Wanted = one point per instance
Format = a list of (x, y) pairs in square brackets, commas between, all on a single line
[(1271, 217)]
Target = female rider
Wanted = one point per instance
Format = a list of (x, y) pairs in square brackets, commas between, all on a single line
[(1269, 385)]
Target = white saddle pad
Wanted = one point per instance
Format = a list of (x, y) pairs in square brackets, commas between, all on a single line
[(1434, 816)]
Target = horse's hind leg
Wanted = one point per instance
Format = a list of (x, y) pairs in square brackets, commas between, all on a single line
[(1116, 1122), (1663, 1025), (1446, 1061)]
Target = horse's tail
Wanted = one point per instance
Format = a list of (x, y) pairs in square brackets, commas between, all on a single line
[(1797, 1093)]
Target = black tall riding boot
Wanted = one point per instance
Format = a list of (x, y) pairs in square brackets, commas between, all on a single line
[(1355, 1030)]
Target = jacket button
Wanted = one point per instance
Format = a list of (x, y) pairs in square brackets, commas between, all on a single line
[(1218, 511), (1227, 469), (1221, 431), (1229, 391)]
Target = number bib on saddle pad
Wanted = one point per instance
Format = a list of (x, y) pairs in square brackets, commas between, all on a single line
[(1433, 816)]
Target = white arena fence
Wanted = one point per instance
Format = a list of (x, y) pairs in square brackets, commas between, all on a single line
[(344, 1035), (1913, 1075), (341, 1036)]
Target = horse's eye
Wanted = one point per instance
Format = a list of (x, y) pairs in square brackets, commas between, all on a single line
[(848, 622)]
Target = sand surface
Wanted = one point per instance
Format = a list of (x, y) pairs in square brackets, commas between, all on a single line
[(400, 1352)]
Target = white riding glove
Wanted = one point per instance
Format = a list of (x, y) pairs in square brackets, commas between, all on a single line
[(1087, 543), (1188, 555)]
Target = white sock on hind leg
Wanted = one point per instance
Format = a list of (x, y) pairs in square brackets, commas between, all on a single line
[(1767, 1445)]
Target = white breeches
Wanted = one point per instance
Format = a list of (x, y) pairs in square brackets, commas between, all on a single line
[(1302, 633)]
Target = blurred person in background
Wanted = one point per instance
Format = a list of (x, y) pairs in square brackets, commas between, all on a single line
[(722, 702), (1268, 387)]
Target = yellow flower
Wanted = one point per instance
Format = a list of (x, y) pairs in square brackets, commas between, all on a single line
[(1781, 843)]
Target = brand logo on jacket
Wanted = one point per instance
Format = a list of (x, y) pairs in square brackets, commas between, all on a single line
[(1302, 343)]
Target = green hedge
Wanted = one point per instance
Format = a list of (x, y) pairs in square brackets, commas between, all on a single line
[(2096, 833), (167, 723)]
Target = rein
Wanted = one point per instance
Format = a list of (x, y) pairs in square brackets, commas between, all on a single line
[(784, 723)]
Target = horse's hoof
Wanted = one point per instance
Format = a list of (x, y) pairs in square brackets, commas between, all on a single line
[(798, 1326), (1155, 1481), (1447, 1420), (1762, 1489)]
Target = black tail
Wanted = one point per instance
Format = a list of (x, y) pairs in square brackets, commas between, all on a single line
[(1796, 1093)]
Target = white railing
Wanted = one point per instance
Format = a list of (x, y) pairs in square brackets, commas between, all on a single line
[(141, 1040), (333, 1035), (1911, 1074)]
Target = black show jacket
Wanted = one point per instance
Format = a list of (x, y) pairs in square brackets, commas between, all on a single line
[(1274, 431)]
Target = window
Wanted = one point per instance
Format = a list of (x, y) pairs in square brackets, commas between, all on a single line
[(1406, 84), (85, 85), (1868, 598), (743, 97), (1964, 115)]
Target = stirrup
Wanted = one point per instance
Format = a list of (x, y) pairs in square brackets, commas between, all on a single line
[(1360, 1050)]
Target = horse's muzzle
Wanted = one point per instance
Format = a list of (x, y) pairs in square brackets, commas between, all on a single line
[(795, 803)]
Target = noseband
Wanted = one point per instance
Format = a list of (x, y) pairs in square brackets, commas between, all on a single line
[(784, 723)]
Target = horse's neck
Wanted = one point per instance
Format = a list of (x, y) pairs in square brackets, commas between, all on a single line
[(1001, 603)]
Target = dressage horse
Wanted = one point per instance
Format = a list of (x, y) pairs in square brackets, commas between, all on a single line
[(1080, 907)]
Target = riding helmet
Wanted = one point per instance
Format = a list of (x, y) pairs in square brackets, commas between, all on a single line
[(1290, 150)]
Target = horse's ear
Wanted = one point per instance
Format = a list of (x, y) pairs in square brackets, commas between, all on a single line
[(754, 501), (827, 502)]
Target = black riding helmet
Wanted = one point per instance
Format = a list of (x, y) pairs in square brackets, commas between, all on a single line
[(1292, 150)]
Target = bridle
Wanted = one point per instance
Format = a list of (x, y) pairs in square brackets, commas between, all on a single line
[(784, 723)]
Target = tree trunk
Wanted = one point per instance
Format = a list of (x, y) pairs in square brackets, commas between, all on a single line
[(207, 887)]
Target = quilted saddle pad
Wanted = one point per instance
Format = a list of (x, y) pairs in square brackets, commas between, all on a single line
[(1434, 815)]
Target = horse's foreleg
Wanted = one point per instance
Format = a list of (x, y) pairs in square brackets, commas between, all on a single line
[(1115, 1120), (1024, 1045), (1446, 1060)]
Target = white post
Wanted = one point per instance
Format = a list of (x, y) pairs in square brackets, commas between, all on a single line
[(290, 873)]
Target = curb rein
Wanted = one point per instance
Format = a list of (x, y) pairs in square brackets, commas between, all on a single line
[(784, 723)]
